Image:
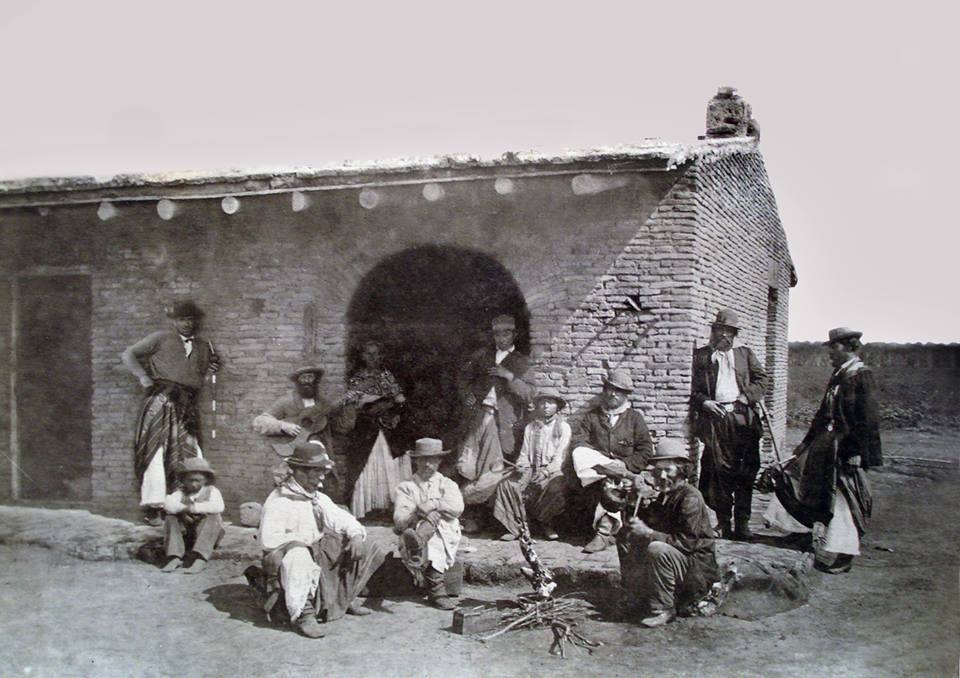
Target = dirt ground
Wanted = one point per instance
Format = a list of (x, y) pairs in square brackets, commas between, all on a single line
[(897, 613)]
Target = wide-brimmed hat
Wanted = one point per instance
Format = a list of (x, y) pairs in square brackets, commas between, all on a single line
[(669, 449), (504, 322), (312, 454), (728, 318), (550, 392), (294, 376), (428, 447), (186, 308), (841, 333), (195, 465), (620, 379)]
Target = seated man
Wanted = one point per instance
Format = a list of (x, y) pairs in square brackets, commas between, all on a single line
[(427, 517), (306, 415), (611, 442), (668, 558), (540, 487), (192, 523), (314, 552)]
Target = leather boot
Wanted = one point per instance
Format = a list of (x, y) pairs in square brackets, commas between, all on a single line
[(603, 537), (741, 531), (307, 623)]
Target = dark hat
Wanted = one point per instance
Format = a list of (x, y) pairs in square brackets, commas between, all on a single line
[(428, 447), (294, 376), (727, 318), (550, 392), (310, 455), (669, 449), (841, 333), (619, 379), (185, 309), (195, 465)]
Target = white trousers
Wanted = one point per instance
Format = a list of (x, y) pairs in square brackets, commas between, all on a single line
[(299, 576), (842, 535), (153, 487), (584, 459)]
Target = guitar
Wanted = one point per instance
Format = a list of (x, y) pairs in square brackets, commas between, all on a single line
[(314, 419)]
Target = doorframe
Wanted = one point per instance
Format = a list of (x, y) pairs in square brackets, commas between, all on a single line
[(15, 282)]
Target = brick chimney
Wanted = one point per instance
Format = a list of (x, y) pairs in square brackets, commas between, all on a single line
[(728, 115)]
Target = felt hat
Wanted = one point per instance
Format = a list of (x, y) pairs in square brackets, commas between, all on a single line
[(428, 447), (294, 376), (310, 455), (504, 322), (619, 379), (841, 333), (669, 449), (195, 465), (728, 318), (550, 392), (185, 309)]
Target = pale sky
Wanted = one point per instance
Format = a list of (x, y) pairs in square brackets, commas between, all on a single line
[(853, 101)]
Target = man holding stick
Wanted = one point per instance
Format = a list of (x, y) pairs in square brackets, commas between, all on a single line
[(171, 366)]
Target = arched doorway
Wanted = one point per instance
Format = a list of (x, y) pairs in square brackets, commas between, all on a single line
[(430, 307)]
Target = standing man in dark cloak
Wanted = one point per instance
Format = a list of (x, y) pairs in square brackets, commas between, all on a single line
[(727, 383), (171, 366)]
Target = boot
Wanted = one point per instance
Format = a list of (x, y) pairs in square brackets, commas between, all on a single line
[(842, 563), (197, 566), (660, 619), (603, 537), (308, 625), (172, 564), (741, 532), (437, 595)]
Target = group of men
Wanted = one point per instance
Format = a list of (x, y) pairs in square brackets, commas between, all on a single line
[(515, 457)]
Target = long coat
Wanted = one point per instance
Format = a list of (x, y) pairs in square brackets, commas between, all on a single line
[(846, 425), (751, 379), (512, 396)]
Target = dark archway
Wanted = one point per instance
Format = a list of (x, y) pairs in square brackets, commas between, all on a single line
[(430, 307)]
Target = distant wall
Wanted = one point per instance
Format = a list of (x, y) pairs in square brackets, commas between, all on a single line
[(919, 384)]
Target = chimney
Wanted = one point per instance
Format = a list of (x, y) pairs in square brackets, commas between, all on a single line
[(728, 115)]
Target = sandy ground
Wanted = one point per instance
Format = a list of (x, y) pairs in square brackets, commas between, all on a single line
[(896, 613)]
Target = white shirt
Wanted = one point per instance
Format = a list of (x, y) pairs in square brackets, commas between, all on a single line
[(727, 390), (491, 398), (287, 517), (187, 344), (174, 503)]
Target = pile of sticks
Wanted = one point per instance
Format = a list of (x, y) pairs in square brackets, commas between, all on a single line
[(561, 615)]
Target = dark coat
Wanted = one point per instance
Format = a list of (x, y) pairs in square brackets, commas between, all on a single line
[(680, 519), (751, 378), (628, 441), (473, 384), (855, 417)]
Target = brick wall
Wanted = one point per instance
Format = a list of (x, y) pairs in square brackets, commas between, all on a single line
[(742, 255), (277, 286)]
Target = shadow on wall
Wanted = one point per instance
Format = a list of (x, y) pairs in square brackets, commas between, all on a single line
[(430, 307)]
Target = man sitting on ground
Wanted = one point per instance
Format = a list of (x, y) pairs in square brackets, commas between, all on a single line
[(668, 557), (192, 523), (314, 552)]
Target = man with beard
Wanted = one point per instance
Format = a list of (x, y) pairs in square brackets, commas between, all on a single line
[(171, 366), (668, 556), (727, 383), (610, 443), (305, 415)]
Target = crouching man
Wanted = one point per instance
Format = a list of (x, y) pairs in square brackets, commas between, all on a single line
[(668, 558), (426, 515), (315, 554)]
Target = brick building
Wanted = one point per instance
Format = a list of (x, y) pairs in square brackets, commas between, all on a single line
[(618, 257)]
